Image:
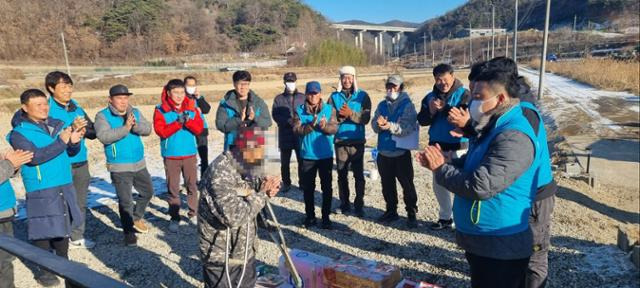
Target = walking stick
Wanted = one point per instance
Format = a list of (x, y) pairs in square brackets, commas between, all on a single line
[(280, 242)]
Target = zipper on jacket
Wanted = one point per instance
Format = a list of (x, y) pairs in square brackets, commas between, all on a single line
[(113, 150), (479, 206), (38, 173)]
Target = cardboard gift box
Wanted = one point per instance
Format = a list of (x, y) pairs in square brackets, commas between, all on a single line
[(352, 272), (310, 267)]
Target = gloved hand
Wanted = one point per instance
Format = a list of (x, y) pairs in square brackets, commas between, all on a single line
[(182, 118)]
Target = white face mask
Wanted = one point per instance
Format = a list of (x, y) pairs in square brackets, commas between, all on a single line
[(190, 90), (393, 95), (290, 86), (475, 109)]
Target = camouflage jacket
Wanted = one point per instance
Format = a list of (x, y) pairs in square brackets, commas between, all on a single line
[(228, 200)]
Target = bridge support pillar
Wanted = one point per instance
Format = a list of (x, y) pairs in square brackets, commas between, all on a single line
[(381, 39)]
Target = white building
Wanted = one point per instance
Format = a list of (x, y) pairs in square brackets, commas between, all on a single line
[(481, 32)]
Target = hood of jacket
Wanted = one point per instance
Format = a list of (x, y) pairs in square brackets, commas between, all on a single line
[(524, 91), (20, 117), (188, 104)]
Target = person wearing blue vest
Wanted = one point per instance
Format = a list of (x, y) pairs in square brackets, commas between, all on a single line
[(495, 183), (64, 108), (177, 121), (283, 108), (448, 92), (52, 211), (395, 116), (542, 208), (353, 109), (10, 162), (191, 87), (120, 128), (315, 123), (241, 107)]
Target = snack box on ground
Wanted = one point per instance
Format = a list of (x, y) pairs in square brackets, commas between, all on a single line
[(343, 272), (352, 272)]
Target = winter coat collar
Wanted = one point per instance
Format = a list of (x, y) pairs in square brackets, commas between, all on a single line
[(188, 104), (456, 85), (231, 99)]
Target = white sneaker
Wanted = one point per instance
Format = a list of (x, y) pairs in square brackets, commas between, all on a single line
[(174, 226), (193, 220), (82, 244)]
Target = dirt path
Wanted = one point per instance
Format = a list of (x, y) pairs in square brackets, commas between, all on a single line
[(327, 83)]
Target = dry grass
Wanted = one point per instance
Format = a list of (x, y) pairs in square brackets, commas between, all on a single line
[(605, 74)]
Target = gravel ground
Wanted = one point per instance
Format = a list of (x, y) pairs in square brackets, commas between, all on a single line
[(583, 253), (583, 235)]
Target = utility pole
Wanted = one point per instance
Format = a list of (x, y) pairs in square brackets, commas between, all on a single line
[(575, 21), (493, 32), (424, 47), (433, 53), (66, 57), (488, 50), (543, 57), (470, 47), (515, 36), (506, 47), (464, 57)]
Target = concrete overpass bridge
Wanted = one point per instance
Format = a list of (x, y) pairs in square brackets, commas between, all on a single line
[(379, 32)]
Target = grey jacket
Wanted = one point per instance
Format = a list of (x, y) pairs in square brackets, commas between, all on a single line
[(225, 124), (108, 135), (6, 170), (509, 155), (405, 124)]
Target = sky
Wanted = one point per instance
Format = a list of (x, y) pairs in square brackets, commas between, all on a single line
[(379, 11)]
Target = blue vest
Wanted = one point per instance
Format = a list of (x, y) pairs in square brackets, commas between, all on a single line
[(544, 173), (57, 112), (348, 130), (315, 145), (127, 150), (7, 196), (507, 212), (385, 140), (181, 143), (53, 173), (230, 137), (440, 127)]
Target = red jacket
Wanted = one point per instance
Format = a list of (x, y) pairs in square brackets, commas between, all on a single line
[(164, 129)]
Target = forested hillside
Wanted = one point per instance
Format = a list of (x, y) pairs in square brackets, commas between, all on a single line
[(615, 14), (96, 30)]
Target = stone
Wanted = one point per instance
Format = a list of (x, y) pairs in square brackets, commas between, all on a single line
[(628, 237)]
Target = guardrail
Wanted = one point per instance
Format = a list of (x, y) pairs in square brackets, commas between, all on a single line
[(76, 273)]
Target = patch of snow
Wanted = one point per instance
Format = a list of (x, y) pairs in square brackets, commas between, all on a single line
[(568, 95), (605, 260)]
